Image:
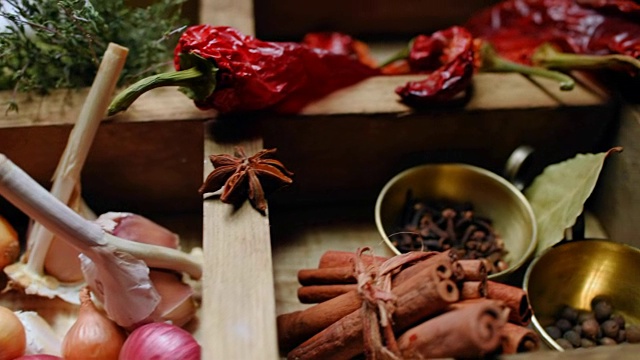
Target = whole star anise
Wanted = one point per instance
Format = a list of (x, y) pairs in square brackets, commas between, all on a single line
[(242, 176)]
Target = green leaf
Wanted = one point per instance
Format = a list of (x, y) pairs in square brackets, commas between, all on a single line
[(557, 196)]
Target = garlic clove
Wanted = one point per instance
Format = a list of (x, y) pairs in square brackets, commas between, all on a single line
[(62, 262), (41, 338), (176, 304), (9, 245), (137, 228), (107, 272)]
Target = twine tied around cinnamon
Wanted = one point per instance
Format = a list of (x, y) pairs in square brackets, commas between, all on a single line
[(378, 302)]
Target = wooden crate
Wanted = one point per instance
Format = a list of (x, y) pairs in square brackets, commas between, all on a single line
[(342, 148)]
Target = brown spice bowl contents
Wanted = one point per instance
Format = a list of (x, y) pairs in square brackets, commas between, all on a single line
[(492, 197), (570, 275)]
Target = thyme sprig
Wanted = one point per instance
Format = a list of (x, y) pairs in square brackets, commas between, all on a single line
[(52, 44)]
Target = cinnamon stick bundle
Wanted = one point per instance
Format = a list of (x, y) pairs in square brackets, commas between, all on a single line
[(416, 300), (297, 326), (469, 332), (515, 298), (313, 294), (516, 338)]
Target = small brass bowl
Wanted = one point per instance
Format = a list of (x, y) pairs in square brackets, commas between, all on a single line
[(491, 196), (575, 272)]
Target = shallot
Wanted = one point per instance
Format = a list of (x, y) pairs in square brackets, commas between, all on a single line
[(12, 335), (9, 245), (160, 341), (93, 336)]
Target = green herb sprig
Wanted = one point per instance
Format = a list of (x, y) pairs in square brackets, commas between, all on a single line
[(52, 44)]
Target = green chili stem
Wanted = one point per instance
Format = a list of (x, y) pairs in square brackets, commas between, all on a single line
[(549, 57), (177, 78), (402, 54), (491, 62)]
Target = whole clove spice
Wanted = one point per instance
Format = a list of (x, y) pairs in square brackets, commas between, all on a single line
[(443, 225)]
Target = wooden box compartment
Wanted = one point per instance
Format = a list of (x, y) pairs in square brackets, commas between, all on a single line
[(146, 162)]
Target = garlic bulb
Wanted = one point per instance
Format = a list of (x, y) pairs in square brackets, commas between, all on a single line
[(41, 339)]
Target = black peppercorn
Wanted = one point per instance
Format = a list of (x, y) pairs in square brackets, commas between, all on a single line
[(607, 341), (569, 313), (633, 333), (619, 319), (585, 315), (572, 337), (622, 336), (586, 343), (553, 331), (564, 325), (610, 328), (602, 308), (578, 329), (590, 329), (564, 343)]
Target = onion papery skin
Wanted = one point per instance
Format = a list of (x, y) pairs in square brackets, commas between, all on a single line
[(13, 338), (160, 341), (93, 336)]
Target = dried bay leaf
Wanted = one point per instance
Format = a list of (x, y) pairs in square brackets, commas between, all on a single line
[(557, 196)]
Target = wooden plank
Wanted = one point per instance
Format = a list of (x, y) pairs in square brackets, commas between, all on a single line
[(238, 288), (579, 96), (616, 200), (62, 107), (235, 13), (377, 96)]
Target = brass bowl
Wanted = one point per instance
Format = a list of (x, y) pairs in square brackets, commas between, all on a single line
[(491, 195), (575, 272)]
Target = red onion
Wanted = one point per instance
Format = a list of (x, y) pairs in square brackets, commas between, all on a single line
[(160, 341), (39, 357)]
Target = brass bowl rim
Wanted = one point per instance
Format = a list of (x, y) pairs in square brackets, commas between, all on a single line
[(507, 185), (535, 323)]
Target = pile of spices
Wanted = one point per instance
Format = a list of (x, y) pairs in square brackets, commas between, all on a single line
[(576, 328), (443, 225)]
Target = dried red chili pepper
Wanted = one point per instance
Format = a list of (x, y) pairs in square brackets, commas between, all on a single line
[(340, 44), (220, 68), (516, 28), (447, 56)]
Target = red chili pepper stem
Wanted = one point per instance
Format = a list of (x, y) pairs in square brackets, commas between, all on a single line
[(492, 62), (400, 55), (547, 56), (197, 81)]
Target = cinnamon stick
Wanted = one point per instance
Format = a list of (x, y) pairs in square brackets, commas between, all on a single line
[(416, 300), (473, 270), (516, 339), (297, 326), (313, 294), (325, 276), (515, 299), (470, 332), (440, 262), (336, 258), (473, 289)]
